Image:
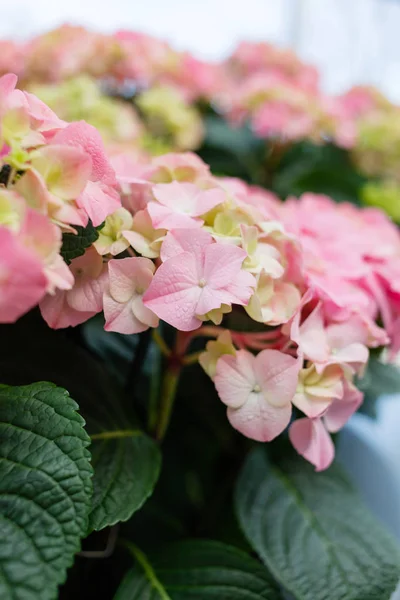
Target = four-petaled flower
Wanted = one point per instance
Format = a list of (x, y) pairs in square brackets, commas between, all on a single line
[(198, 276)]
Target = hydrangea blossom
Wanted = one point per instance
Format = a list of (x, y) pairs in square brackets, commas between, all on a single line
[(313, 285)]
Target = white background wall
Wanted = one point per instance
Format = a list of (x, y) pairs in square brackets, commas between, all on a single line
[(352, 41)]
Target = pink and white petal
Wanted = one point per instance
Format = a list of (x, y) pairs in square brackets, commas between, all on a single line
[(186, 240), (222, 264), (142, 313), (342, 409), (7, 85), (277, 375), (120, 317), (312, 406), (66, 170), (177, 308), (210, 299), (206, 200), (98, 202), (122, 274), (178, 197), (22, 280), (174, 292), (312, 338), (235, 379), (58, 314), (241, 288), (88, 295), (86, 137), (355, 355), (311, 440), (32, 187), (187, 198), (258, 420), (165, 218), (58, 275)]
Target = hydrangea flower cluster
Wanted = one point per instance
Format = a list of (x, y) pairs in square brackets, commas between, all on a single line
[(272, 88), (317, 284), (54, 176), (84, 75)]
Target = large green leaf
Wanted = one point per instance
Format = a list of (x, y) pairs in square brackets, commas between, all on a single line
[(126, 461), (126, 466), (198, 570), (45, 489), (314, 533)]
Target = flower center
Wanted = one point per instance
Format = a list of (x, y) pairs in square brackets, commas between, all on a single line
[(257, 389), (202, 283)]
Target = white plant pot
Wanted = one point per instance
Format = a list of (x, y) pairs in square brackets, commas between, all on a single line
[(370, 452)]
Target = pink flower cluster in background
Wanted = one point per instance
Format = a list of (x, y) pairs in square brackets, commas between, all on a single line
[(271, 87)]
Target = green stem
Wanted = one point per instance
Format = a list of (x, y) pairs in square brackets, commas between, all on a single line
[(169, 387), (147, 568), (113, 435)]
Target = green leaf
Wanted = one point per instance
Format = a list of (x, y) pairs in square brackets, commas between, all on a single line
[(198, 570), (232, 151), (74, 245), (379, 379), (45, 489), (325, 169), (313, 532), (126, 465)]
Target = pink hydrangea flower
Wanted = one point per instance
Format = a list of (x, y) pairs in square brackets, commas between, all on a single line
[(258, 391), (179, 205), (198, 276), (124, 309)]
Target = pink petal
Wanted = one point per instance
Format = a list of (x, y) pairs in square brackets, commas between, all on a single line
[(22, 280), (88, 295), (342, 409), (310, 438), (258, 420), (144, 314), (235, 378), (66, 170), (222, 264), (184, 240), (164, 218), (128, 273), (120, 317), (187, 198), (7, 84), (241, 288), (174, 292), (85, 136), (98, 202), (312, 338), (312, 406), (58, 314), (277, 375)]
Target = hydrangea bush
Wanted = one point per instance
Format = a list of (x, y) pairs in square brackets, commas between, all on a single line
[(193, 316)]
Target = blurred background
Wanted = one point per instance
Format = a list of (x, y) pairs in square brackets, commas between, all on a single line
[(350, 41)]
